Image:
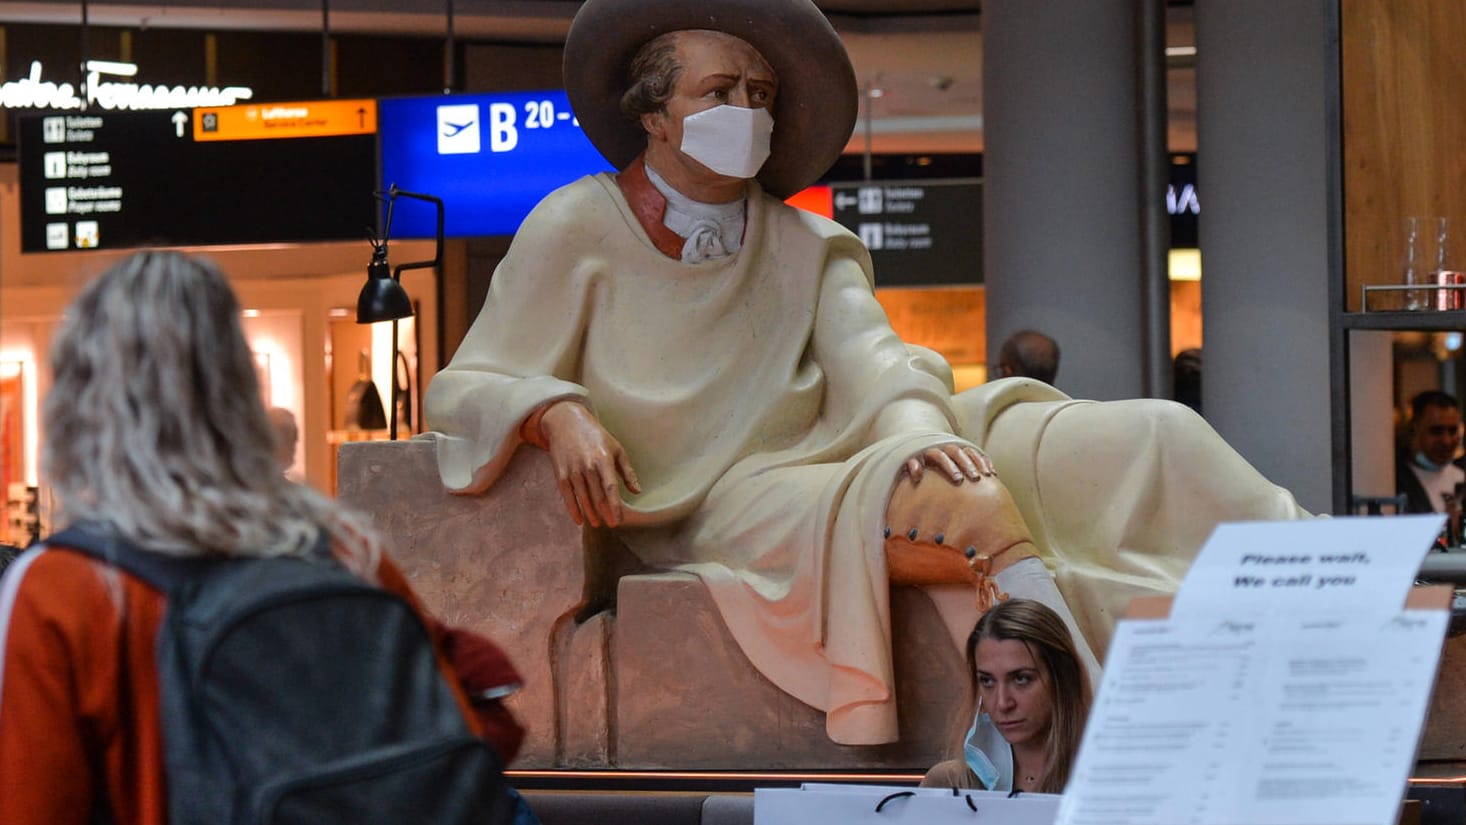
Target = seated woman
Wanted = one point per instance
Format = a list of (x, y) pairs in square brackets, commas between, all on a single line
[(1031, 697)]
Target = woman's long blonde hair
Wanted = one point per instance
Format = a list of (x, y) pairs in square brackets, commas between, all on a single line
[(154, 423), (1041, 630)]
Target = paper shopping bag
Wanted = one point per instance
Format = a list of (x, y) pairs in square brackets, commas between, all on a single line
[(888, 805)]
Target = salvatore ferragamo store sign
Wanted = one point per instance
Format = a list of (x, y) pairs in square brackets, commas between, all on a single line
[(103, 90)]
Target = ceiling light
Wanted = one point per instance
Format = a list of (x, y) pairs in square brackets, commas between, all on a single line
[(1185, 264)]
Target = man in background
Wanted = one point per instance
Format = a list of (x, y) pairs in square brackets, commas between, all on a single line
[(1029, 353), (285, 435), (1426, 471), (1186, 378)]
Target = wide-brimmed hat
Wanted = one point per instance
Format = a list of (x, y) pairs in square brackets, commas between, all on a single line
[(814, 113)]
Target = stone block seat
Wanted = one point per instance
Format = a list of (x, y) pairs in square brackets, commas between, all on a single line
[(624, 667)]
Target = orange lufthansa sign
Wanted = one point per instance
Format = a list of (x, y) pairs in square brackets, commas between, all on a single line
[(259, 121)]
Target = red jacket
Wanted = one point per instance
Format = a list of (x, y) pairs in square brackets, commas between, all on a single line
[(79, 691)]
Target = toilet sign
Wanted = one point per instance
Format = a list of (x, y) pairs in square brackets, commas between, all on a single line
[(919, 233)]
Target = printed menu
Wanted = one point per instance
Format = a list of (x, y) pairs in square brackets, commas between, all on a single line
[(1287, 683)]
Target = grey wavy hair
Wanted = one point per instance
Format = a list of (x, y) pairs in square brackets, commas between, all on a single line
[(652, 76), (155, 424)]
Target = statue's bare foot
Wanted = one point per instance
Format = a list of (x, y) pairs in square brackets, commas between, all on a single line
[(934, 523)]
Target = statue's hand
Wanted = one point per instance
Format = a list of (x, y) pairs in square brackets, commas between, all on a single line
[(589, 464), (956, 461)]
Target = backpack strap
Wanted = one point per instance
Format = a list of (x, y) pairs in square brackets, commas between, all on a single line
[(103, 542)]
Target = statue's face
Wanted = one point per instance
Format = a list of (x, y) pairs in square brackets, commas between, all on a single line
[(717, 69)]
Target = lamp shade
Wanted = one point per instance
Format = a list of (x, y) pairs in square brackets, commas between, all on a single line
[(382, 297)]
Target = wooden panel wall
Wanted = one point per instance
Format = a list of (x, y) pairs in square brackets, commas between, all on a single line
[(1404, 131)]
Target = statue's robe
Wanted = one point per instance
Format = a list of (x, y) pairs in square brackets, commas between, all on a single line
[(767, 407)]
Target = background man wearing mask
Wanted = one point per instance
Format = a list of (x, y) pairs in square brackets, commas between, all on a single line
[(1426, 471)]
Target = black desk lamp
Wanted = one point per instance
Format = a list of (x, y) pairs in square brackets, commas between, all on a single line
[(382, 297)]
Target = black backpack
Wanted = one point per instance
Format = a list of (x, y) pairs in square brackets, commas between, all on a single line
[(295, 693)]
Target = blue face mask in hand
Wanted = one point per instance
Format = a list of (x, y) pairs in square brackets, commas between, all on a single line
[(988, 754)]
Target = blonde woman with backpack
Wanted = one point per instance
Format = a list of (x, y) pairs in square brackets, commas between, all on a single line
[(191, 648)]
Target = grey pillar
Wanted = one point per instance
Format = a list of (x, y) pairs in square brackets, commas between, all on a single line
[(1262, 137), (1061, 167)]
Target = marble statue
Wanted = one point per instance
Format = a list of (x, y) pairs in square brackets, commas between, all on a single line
[(713, 378)]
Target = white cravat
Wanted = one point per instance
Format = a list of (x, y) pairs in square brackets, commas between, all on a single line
[(712, 230)]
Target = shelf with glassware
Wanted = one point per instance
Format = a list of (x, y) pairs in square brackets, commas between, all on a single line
[(1434, 301), (1406, 320), (1429, 294)]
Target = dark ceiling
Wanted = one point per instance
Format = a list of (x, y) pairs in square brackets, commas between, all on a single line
[(919, 62)]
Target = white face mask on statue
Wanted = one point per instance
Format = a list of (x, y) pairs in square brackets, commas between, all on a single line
[(729, 140)]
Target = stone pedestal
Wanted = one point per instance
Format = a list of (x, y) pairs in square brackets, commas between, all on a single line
[(622, 669), (636, 670), (687, 697), (507, 565)]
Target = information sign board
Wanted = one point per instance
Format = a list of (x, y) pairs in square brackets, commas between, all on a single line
[(919, 233), (316, 118), (490, 157), (176, 178)]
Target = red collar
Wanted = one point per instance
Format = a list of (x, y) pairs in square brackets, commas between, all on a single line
[(650, 207)]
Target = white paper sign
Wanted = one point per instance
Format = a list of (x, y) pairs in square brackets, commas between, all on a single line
[(1254, 709), (1313, 565)]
